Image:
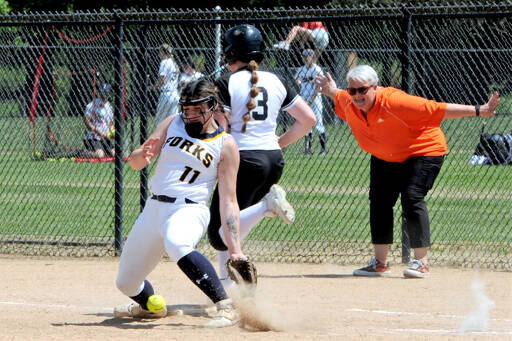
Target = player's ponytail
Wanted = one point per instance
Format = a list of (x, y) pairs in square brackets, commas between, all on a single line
[(253, 67)]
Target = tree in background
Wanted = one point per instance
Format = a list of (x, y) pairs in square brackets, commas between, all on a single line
[(4, 7)]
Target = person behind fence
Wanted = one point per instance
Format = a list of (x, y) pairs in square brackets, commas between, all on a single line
[(99, 124), (305, 77), (189, 72), (313, 31), (195, 153), (253, 100), (407, 146), (167, 84)]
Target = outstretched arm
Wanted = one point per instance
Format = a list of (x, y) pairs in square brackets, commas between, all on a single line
[(142, 156), (460, 110), (228, 204), (327, 85)]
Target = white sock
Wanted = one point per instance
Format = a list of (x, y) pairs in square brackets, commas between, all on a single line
[(223, 257), (249, 217)]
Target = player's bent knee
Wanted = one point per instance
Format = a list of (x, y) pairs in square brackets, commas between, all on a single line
[(215, 239), (176, 252), (127, 287)]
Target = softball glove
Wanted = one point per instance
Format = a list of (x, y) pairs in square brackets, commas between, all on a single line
[(242, 271)]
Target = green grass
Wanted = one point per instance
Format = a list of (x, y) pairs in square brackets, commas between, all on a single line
[(75, 201)]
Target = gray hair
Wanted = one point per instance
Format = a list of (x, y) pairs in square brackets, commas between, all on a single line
[(363, 73)]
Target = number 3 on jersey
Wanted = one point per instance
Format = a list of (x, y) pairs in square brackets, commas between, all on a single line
[(261, 112), (185, 174)]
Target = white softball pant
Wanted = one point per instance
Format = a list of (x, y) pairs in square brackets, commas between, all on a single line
[(161, 227), (318, 109), (321, 38), (167, 105)]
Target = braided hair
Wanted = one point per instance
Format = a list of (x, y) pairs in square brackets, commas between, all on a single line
[(253, 92)]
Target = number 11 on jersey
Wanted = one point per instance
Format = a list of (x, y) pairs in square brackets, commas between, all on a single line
[(195, 174)]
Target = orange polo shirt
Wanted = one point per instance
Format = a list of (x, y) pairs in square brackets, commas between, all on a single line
[(397, 127)]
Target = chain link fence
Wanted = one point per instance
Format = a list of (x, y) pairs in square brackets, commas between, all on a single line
[(58, 200)]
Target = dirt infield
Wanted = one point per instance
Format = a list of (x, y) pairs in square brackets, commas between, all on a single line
[(72, 299)]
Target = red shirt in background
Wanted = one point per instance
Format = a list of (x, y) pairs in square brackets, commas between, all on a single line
[(313, 25)]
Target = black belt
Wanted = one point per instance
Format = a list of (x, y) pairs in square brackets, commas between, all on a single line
[(170, 200)]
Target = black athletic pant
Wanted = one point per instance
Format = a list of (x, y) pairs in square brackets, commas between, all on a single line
[(411, 179), (259, 170)]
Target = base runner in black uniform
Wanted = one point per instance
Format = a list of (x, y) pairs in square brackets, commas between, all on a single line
[(253, 100)]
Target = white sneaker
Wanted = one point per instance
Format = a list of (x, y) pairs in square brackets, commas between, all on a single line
[(282, 45), (135, 310), (278, 205), (226, 316)]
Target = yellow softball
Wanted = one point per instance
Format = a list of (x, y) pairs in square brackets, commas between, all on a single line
[(156, 303)]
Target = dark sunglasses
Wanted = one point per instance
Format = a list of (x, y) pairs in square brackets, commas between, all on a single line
[(362, 90)]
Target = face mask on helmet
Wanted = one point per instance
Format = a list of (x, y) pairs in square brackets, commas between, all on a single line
[(195, 128)]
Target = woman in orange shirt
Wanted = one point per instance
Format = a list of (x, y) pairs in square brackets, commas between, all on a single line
[(402, 133)]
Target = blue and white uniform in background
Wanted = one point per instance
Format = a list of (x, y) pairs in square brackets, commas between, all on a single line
[(185, 77), (307, 90), (169, 97), (100, 114)]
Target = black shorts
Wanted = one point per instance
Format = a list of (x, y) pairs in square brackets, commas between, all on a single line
[(94, 145), (259, 170), (411, 180)]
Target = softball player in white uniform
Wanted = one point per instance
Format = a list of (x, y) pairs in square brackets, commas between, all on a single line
[(194, 153), (99, 121), (168, 79), (254, 99), (305, 77)]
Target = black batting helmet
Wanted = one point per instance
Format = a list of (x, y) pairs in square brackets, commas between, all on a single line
[(243, 43)]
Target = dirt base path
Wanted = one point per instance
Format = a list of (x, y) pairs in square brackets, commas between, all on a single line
[(62, 299)]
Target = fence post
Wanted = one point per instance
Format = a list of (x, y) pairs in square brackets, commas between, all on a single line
[(218, 44), (119, 126), (405, 61), (406, 48), (144, 85)]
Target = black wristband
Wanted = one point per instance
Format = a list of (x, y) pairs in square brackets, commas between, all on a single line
[(477, 110)]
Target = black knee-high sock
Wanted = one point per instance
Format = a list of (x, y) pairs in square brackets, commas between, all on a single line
[(201, 272), (142, 298)]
